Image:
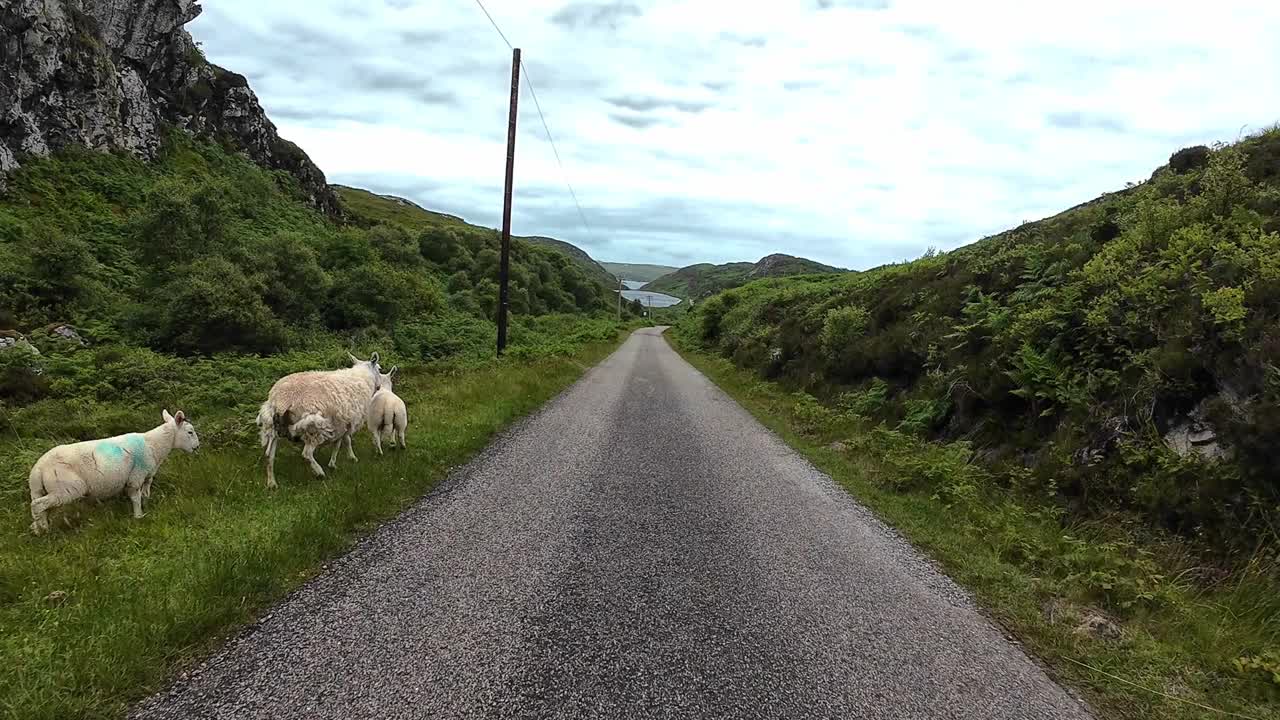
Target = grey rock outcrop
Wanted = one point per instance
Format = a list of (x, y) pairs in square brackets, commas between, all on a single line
[(1196, 435), (112, 74)]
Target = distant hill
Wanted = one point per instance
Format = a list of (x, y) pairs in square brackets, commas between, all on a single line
[(699, 281), (365, 205), (594, 270), (638, 272), (371, 208)]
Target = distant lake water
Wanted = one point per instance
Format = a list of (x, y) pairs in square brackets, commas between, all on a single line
[(650, 299)]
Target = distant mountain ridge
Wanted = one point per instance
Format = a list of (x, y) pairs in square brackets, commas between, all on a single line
[(638, 272), (704, 279)]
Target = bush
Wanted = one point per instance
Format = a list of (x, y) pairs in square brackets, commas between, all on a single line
[(379, 294), (215, 308), (449, 334), (841, 328), (867, 402), (295, 286)]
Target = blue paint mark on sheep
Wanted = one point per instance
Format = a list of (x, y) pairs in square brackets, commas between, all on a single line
[(130, 450)]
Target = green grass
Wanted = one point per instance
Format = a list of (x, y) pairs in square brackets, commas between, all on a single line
[(371, 208), (1184, 627), (146, 597)]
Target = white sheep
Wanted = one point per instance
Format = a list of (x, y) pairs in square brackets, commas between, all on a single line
[(315, 407), (103, 468), (387, 413)]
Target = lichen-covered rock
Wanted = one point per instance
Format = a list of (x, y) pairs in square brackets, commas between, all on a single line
[(1195, 435), (65, 332), (110, 74), (12, 340)]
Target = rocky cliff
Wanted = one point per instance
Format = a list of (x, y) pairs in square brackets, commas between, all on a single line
[(112, 74)]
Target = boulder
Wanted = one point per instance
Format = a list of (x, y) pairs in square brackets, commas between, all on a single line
[(64, 332), (1195, 435)]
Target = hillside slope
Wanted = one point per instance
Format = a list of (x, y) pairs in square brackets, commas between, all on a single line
[(1127, 350), (704, 279), (585, 262), (368, 208), (638, 272)]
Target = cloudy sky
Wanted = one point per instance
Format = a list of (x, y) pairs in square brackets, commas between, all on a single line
[(854, 132)]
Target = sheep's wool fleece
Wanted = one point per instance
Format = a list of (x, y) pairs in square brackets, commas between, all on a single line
[(341, 396)]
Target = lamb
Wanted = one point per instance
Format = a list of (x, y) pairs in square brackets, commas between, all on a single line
[(387, 413), (315, 407), (103, 468)]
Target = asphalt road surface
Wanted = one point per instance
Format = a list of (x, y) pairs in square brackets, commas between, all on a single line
[(640, 548)]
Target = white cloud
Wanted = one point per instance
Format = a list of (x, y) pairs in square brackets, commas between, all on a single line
[(856, 134)]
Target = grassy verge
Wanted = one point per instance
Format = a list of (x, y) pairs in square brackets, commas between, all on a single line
[(102, 610), (1168, 636)]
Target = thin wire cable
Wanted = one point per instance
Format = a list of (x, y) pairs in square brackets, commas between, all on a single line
[(495, 25), (564, 175), (1167, 696)]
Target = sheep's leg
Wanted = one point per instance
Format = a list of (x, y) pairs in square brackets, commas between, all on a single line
[(400, 432), (351, 453), (337, 448), (271, 461), (309, 452), (377, 440), (40, 508), (135, 494), (146, 487)]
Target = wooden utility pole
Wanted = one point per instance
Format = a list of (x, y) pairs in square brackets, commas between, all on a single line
[(619, 298), (504, 266)]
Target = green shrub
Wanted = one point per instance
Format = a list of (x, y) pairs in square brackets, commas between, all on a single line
[(841, 328), (867, 402), (379, 294), (446, 335), (214, 307), (811, 417)]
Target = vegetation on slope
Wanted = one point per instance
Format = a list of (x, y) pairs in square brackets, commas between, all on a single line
[(589, 267), (197, 281), (1111, 370), (638, 272), (702, 280), (369, 208), (1143, 629), (204, 252)]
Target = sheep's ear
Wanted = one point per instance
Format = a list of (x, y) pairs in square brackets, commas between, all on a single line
[(354, 359), (179, 418), (394, 369), (164, 414), (374, 359)]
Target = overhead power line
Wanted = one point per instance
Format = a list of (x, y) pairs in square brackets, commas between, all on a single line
[(564, 174), (495, 25)]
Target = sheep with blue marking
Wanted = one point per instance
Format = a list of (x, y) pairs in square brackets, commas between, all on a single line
[(105, 468), (316, 407)]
